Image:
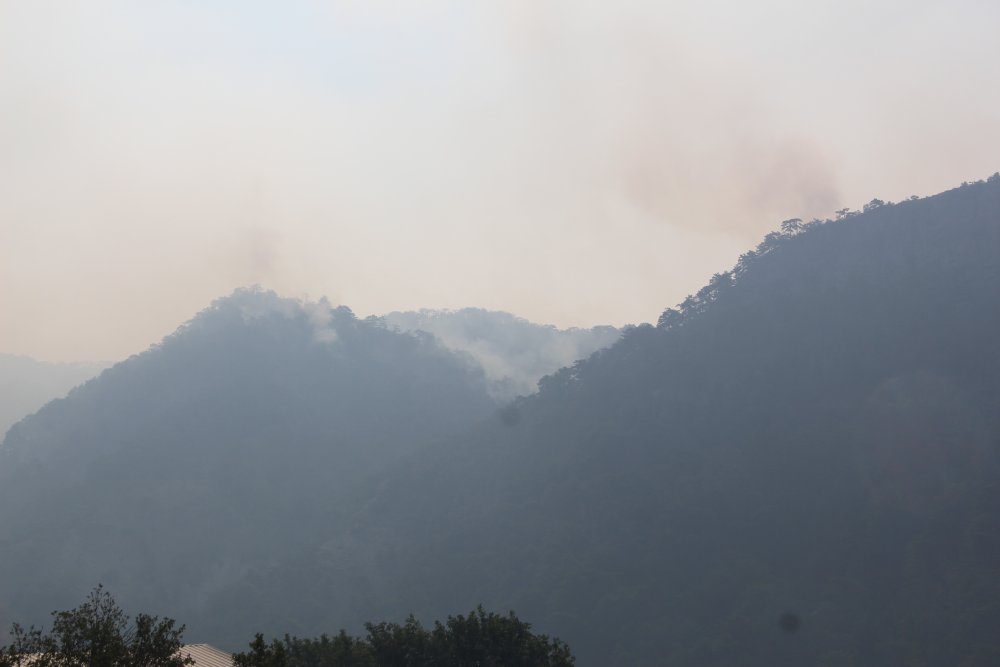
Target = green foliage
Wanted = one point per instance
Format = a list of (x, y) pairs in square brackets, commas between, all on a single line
[(262, 654), (97, 634), (486, 638), (482, 638)]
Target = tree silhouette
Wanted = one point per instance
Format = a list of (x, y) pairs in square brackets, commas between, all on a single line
[(98, 634)]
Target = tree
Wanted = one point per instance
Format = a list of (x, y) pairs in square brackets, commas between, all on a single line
[(481, 638), (792, 226), (262, 654), (97, 634), (486, 638), (340, 651), (670, 318)]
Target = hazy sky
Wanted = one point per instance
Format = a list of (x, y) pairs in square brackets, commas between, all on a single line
[(574, 162)]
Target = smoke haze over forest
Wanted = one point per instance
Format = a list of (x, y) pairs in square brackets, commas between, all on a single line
[(575, 163), (672, 327), (808, 445)]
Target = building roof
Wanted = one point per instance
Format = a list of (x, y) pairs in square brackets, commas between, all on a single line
[(207, 656)]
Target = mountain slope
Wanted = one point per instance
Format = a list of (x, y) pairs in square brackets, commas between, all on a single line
[(810, 443), (815, 435), (27, 384), (185, 468)]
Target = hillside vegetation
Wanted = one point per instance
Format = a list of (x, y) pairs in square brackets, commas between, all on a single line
[(27, 384), (799, 465), (193, 466)]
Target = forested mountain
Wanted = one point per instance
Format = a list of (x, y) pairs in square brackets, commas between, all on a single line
[(799, 465), (513, 352), (27, 384), (181, 470), (816, 433)]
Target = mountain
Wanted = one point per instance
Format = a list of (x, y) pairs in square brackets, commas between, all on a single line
[(27, 384), (192, 465), (513, 352), (799, 465)]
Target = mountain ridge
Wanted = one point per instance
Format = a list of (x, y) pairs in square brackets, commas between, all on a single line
[(814, 433)]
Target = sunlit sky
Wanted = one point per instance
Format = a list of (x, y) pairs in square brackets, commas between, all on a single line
[(577, 162)]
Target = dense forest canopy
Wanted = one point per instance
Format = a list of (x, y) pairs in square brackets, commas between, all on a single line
[(99, 633), (798, 464), (205, 460), (478, 638)]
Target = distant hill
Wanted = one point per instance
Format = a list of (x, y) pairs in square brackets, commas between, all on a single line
[(799, 465), (186, 468), (513, 352), (27, 384)]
